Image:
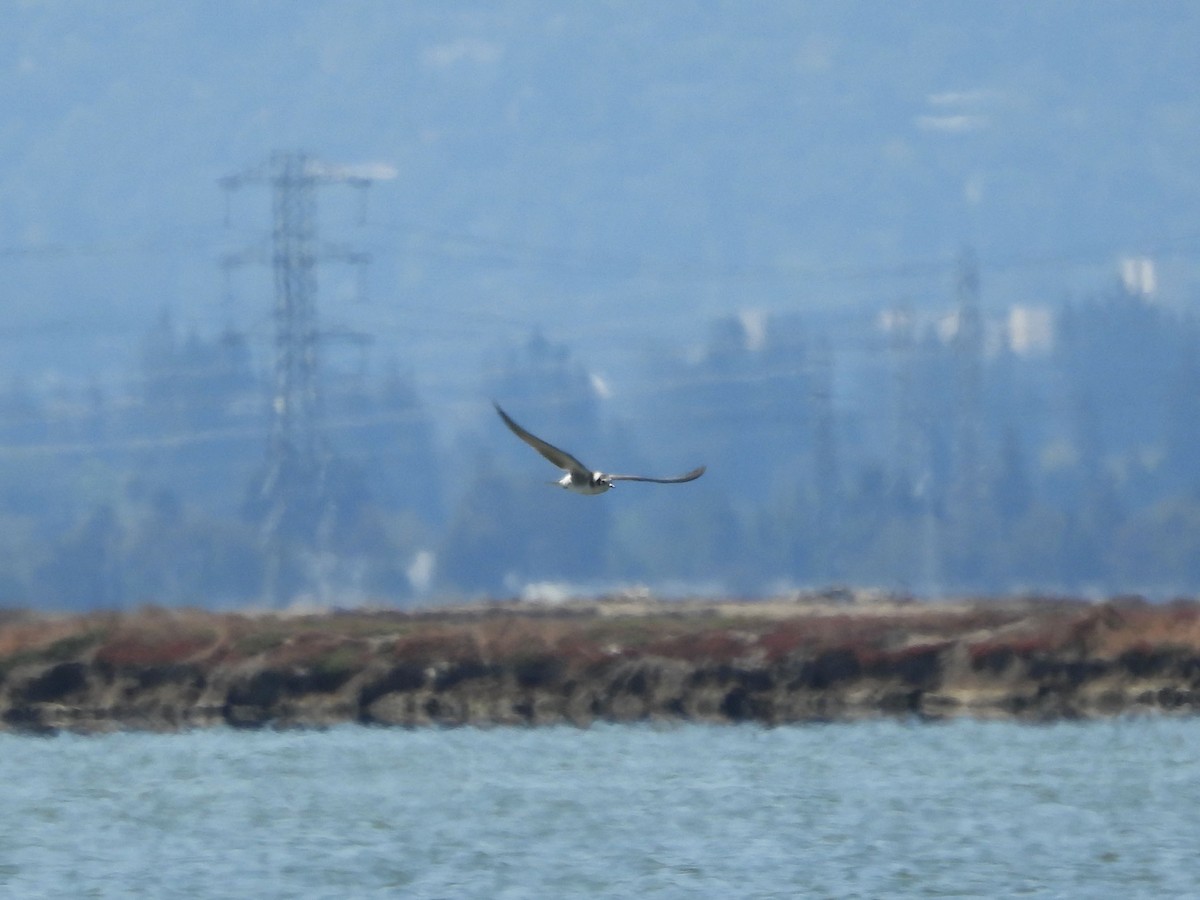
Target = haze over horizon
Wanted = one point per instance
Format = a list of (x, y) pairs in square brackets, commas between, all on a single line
[(640, 169), (735, 234)]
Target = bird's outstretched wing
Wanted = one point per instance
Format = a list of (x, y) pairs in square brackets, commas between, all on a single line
[(679, 479), (560, 458)]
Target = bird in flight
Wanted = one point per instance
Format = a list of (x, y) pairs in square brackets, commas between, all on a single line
[(580, 478)]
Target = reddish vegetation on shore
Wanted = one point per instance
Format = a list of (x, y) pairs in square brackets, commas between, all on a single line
[(818, 657)]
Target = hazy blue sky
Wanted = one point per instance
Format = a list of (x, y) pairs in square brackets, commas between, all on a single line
[(625, 164)]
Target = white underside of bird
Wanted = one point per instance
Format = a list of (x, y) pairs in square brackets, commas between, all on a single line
[(579, 478)]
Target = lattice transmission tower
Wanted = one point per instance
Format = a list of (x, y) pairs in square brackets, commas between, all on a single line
[(825, 464), (966, 521), (968, 487), (291, 498)]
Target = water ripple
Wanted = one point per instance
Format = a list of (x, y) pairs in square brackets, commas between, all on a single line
[(871, 809)]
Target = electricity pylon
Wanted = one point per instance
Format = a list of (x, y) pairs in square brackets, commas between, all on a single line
[(968, 490), (825, 463), (968, 346), (291, 497)]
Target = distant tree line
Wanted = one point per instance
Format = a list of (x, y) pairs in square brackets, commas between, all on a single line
[(836, 455)]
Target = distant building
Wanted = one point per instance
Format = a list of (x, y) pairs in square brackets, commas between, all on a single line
[(1138, 275), (1030, 330)]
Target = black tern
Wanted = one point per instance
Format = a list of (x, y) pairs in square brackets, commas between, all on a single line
[(580, 478)]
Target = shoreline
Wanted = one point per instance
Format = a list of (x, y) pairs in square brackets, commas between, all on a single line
[(820, 657)]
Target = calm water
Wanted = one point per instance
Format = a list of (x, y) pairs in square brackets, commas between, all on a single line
[(870, 810)]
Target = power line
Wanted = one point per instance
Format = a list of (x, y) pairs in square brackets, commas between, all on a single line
[(450, 243), (513, 250)]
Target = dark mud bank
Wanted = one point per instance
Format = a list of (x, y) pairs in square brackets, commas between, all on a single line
[(801, 660)]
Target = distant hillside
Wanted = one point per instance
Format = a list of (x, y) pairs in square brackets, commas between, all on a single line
[(605, 158)]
